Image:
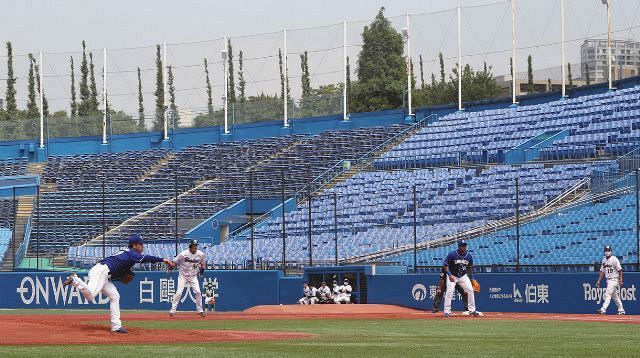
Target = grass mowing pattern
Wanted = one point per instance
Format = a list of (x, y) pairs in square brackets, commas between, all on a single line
[(380, 338)]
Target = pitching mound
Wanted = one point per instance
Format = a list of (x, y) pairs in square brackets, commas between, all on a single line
[(70, 329)]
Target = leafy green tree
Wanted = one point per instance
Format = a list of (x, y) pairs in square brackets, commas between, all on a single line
[(442, 73), (74, 103), (10, 96), (85, 94), (141, 125), (232, 86), (241, 81), (569, 76), (305, 78), (511, 66), (158, 122), (529, 74), (381, 67), (348, 70), (282, 78), (172, 96), (32, 106), (94, 90)]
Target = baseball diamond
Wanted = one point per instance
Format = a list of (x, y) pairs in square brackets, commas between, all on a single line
[(344, 178)]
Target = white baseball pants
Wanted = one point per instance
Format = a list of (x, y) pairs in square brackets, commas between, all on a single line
[(465, 283), (184, 282), (342, 299), (612, 292), (99, 282)]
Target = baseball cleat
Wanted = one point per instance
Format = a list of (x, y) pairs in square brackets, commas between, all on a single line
[(447, 315), (171, 314), (476, 314), (621, 313), (202, 314), (69, 279), (599, 312), (120, 330), (466, 313)]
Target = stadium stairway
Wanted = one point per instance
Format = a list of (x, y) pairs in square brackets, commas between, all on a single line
[(23, 212), (163, 162)]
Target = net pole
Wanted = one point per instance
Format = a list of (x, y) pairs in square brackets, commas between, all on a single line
[(104, 222), (415, 230), (609, 43), (38, 229), (104, 95), (286, 79), (175, 188), (13, 231), (562, 67), (253, 261), (309, 223), (637, 221), (41, 104), (284, 225), (513, 52), (517, 225), (335, 226), (164, 90), (460, 62), (345, 115)]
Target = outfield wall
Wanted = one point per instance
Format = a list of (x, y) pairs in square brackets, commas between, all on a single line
[(509, 292), (235, 290)]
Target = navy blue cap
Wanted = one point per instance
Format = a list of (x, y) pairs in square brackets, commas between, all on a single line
[(462, 243), (135, 239)]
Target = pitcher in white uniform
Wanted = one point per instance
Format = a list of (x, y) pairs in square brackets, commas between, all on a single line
[(612, 270), (191, 264)]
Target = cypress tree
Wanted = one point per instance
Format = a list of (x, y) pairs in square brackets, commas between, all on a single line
[(172, 96), (570, 77), (85, 93), (232, 86), (10, 97), (442, 74), (281, 74), (94, 90), (74, 103), (141, 125), (32, 107), (529, 74), (421, 73), (158, 122), (45, 103), (209, 91), (241, 82), (348, 81), (587, 75), (305, 78)]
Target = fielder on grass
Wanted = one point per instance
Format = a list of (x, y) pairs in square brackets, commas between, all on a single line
[(459, 268), (191, 264), (442, 289), (114, 268), (612, 270)]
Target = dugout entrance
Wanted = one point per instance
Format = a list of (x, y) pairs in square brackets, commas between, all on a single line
[(357, 276)]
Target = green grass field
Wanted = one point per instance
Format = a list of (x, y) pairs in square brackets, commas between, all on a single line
[(378, 338)]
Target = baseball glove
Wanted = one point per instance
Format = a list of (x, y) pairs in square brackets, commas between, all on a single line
[(128, 277), (476, 285)]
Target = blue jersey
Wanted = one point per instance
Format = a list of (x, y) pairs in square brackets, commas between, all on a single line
[(121, 263), (457, 263)]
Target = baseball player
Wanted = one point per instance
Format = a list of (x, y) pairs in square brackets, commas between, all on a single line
[(612, 270), (306, 294), (325, 293), (459, 267), (210, 296), (335, 291), (191, 264), (313, 296), (114, 268), (442, 289), (344, 295)]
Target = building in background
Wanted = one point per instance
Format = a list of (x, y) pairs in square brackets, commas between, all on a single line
[(625, 59)]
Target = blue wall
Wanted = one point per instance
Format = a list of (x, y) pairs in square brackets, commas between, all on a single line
[(549, 292), (236, 290)]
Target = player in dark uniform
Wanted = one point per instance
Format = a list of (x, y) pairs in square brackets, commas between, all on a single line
[(442, 289), (459, 267)]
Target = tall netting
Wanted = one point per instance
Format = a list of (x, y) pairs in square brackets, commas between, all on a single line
[(315, 73)]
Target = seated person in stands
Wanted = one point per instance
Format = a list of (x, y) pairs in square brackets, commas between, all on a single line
[(345, 293), (324, 293)]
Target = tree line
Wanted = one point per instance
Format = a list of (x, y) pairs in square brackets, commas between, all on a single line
[(380, 84)]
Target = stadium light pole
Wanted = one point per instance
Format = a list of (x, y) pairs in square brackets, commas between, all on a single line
[(406, 34), (41, 104), (104, 95), (335, 226), (460, 63), (253, 260), (562, 67), (608, 3), (513, 51), (310, 248), (286, 79), (345, 110), (415, 230), (224, 54)]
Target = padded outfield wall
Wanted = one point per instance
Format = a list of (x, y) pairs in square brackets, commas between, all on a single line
[(239, 290)]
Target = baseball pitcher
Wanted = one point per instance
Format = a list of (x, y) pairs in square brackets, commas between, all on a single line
[(114, 268), (458, 266), (612, 270), (191, 264)]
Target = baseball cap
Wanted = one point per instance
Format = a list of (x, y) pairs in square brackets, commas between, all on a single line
[(135, 239), (462, 243)]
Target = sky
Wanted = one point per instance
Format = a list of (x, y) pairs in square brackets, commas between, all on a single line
[(194, 31)]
